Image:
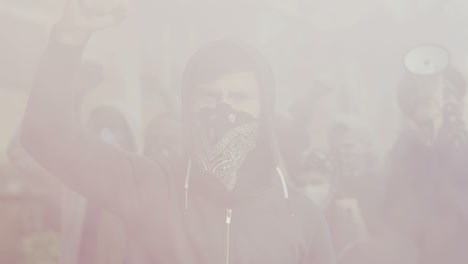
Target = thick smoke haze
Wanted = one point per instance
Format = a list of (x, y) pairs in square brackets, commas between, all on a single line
[(248, 131)]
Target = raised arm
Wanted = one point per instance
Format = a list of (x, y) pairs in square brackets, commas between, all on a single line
[(51, 134)]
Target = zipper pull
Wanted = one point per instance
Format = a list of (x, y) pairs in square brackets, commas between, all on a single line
[(228, 231), (228, 216)]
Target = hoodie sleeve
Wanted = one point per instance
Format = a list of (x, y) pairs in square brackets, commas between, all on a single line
[(51, 134)]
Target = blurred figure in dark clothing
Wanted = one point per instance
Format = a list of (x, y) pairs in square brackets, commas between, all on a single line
[(113, 124), (453, 132), (163, 138), (302, 135), (314, 177), (427, 175), (357, 174), (356, 213), (346, 181), (103, 233)]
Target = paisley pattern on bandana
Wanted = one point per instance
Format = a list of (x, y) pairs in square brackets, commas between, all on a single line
[(224, 159)]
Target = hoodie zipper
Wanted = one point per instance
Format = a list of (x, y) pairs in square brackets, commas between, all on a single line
[(228, 230)]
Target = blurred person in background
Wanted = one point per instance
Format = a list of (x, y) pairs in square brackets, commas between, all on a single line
[(103, 239), (163, 135), (312, 113), (347, 181), (357, 213), (453, 132), (228, 203), (294, 130), (357, 173), (302, 139), (426, 168), (114, 124), (163, 138)]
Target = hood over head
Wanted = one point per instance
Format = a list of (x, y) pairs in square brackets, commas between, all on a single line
[(211, 62), (223, 57)]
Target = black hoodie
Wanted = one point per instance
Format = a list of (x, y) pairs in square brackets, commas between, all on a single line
[(167, 222)]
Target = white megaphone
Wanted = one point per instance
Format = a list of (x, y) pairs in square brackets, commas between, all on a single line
[(427, 60)]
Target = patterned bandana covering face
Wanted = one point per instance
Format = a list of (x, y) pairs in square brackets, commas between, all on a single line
[(225, 137)]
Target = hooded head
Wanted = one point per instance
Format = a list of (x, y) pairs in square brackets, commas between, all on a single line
[(227, 108), (433, 101)]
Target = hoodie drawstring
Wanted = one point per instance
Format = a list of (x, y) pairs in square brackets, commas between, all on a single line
[(283, 183), (187, 180)]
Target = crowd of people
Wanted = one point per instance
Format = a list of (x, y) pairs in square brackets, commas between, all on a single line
[(406, 202), (229, 178)]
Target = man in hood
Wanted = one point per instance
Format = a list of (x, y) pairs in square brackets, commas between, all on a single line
[(226, 201), (427, 170)]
